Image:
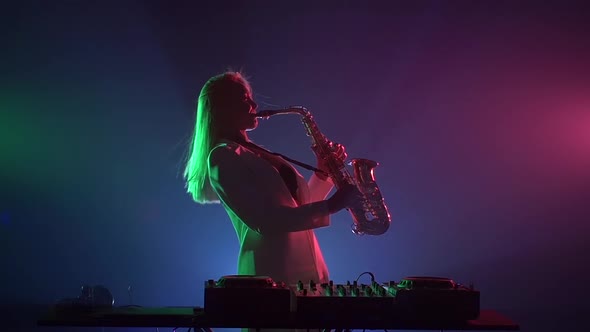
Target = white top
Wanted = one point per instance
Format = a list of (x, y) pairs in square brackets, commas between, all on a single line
[(275, 231)]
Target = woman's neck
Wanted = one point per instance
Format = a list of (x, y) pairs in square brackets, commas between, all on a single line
[(240, 137)]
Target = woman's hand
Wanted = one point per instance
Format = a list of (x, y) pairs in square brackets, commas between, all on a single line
[(346, 197), (338, 153)]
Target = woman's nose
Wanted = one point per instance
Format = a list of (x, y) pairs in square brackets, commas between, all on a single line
[(253, 103)]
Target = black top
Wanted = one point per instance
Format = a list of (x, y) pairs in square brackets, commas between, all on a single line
[(287, 173)]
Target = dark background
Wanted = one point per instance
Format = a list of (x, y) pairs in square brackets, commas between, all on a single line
[(477, 111)]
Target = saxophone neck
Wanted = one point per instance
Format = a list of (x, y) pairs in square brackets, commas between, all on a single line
[(288, 110)]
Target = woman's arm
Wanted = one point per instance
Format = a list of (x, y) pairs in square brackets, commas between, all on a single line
[(319, 188), (260, 205)]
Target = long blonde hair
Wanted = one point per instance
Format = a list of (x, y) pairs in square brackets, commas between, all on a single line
[(204, 136)]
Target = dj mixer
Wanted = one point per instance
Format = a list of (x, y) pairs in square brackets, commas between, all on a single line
[(418, 297)]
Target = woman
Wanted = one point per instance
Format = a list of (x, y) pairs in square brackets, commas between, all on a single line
[(273, 209)]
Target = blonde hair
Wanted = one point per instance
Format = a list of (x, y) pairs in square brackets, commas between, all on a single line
[(204, 136)]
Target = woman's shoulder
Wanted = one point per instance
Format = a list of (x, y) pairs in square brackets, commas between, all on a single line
[(226, 145), (226, 149)]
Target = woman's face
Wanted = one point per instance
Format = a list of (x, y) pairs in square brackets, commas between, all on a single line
[(237, 108)]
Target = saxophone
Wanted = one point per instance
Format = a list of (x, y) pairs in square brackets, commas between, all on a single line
[(371, 216)]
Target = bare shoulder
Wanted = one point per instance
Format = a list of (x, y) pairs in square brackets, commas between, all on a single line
[(224, 152)]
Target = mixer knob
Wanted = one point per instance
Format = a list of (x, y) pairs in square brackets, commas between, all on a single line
[(312, 284), (304, 292), (354, 292), (211, 283), (331, 283), (347, 283), (354, 284), (368, 291), (375, 287), (392, 291), (299, 285), (329, 291)]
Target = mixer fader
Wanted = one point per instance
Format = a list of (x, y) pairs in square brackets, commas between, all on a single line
[(341, 298)]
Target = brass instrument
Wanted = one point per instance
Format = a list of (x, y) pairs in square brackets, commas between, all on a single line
[(370, 216)]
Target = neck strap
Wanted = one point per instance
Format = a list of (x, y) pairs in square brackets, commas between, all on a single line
[(296, 162)]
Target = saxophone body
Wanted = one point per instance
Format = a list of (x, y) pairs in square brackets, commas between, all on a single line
[(370, 216)]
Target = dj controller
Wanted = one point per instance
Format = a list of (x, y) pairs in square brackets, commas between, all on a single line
[(411, 298)]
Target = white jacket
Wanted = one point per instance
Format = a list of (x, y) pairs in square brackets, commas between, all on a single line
[(275, 231)]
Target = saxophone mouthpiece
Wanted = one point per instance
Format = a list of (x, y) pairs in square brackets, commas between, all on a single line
[(264, 114)]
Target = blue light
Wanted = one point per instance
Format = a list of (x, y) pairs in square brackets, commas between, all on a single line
[(4, 217)]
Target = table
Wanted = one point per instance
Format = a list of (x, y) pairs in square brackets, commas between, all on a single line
[(195, 317)]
